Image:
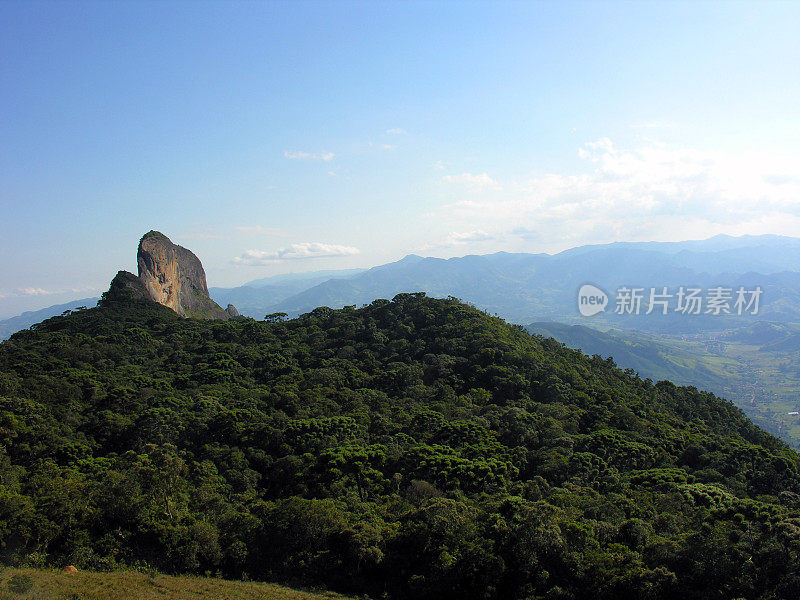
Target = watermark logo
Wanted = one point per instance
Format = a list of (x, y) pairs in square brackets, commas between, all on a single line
[(591, 300), (662, 300)]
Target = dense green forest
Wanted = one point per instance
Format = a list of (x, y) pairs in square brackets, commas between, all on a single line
[(413, 448)]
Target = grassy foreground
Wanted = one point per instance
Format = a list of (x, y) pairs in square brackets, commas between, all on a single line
[(56, 585)]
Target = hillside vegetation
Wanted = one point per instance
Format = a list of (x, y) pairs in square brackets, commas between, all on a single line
[(414, 448), (756, 367)]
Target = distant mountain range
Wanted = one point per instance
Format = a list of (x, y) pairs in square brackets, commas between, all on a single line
[(539, 287), (719, 254), (256, 298), (528, 287)]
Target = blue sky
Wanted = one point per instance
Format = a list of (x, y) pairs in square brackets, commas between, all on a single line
[(293, 136)]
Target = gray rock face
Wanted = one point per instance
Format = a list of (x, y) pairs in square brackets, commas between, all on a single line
[(232, 312), (174, 276)]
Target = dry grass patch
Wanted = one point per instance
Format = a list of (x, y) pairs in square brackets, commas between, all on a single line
[(39, 584)]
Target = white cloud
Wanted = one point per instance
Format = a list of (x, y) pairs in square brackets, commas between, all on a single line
[(37, 291), (458, 239), (395, 131), (472, 181), (649, 192), (294, 252), (469, 237), (300, 155), (33, 291)]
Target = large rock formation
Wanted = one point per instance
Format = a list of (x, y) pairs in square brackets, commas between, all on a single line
[(170, 275)]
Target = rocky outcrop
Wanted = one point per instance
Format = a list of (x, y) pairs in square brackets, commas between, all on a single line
[(126, 286), (174, 277), (170, 275), (232, 312)]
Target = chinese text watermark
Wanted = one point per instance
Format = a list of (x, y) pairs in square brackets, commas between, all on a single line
[(717, 300)]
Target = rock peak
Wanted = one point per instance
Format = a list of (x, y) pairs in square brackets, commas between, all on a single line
[(170, 275), (153, 234)]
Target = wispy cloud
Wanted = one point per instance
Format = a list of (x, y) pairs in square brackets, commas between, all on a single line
[(468, 237), (651, 191), (301, 155), (299, 251), (459, 239), (473, 181), (395, 131), (34, 291), (37, 291)]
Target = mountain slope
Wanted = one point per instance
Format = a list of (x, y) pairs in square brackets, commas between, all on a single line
[(646, 357), (751, 366), (26, 319), (416, 448)]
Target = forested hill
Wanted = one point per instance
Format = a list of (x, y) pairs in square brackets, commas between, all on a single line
[(416, 448)]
